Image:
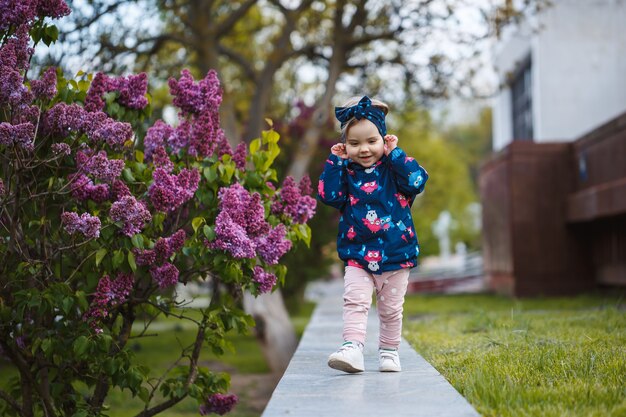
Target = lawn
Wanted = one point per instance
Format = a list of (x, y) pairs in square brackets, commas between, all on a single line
[(545, 357), (246, 365)]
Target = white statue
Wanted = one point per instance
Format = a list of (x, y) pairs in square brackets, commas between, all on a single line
[(441, 228)]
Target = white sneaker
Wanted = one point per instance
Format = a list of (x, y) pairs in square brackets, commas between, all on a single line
[(388, 360), (349, 358)]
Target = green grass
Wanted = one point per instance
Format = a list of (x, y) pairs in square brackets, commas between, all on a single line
[(160, 350), (545, 357)]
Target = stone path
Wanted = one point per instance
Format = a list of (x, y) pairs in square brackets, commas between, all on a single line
[(310, 388)]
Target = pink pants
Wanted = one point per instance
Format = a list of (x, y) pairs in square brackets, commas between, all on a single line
[(357, 298)]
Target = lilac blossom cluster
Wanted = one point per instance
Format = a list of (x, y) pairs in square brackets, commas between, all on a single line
[(131, 213), (165, 275), (265, 280), (198, 132), (109, 294), (168, 191), (21, 135), (163, 249), (83, 189), (24, 12), (99, 166), (132, 91), (46, 87), (294, 200), (61, 148), (241, 228), (218, 404), (239, 157), (63, 119), (86, 224)]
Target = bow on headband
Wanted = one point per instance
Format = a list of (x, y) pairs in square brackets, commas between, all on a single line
[(363, 110)]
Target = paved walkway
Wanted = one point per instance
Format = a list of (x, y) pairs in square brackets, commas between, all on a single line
[(310, 388)]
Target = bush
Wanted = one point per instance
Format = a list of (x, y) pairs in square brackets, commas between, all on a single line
[(98, 224)]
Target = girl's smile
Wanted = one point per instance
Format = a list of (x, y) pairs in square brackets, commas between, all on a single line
[(364, 145)]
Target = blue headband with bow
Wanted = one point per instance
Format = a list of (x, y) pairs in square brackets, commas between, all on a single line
[(363, 110)]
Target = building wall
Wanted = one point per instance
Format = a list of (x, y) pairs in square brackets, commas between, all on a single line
[(578, 55)]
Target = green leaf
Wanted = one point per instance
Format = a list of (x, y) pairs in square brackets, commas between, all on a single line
[(196, 223), (131, 261), (128, 175), (100, 255), (254, 146), (139, 156), (209, 233), (80, 346), (137, 240), (118, 258), (210, 174)]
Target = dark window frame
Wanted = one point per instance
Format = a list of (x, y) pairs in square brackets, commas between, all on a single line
[(522, 102)]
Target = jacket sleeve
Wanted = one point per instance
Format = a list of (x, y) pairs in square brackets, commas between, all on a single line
[(410, 176), (332, 188)]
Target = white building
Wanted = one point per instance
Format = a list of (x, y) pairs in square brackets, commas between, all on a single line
[(562, 73)]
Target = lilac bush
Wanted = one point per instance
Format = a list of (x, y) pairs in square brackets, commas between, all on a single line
[(99, 223)]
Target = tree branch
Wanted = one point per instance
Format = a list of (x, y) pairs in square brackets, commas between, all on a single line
[(225, 26), (240, 60), (6, 397)]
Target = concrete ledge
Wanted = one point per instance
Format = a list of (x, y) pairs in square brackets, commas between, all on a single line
[(310, 388)]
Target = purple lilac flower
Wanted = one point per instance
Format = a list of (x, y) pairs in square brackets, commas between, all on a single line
[(223, 145), (234, 200), (114, 133), (305, 186), (61, 148), (254, 214), (99, 165), (218, 404), (119, 189), (132, 213), (195, 98), (98, 87), (290, 201), (272, 247), (46, 87), (84, 189), (133, 91), (86, 224), (166, 247), (239, 158), (161, 159), (181, 136), (24, 113), (61, 119), (203, 134), (231, 237), (16, 52), (109, 293), (52, 8), (265, 280), (168, 192), (144, 257), (165, 275), (21, 135), (16, 12), (156, 136)]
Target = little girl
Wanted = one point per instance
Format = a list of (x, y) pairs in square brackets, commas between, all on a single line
[(373, 184)]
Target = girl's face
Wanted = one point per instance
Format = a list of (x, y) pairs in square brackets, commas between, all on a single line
[(364, 145)]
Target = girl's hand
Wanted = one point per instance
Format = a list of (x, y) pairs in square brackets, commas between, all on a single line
[(391, 143), (339, 149)]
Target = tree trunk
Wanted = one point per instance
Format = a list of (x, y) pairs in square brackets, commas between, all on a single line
[(309, 141), (273, 328)]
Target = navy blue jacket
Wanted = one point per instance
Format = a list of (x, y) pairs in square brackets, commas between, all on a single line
[(376, 229)]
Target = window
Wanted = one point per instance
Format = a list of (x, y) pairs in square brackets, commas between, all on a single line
[(521, 95)]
